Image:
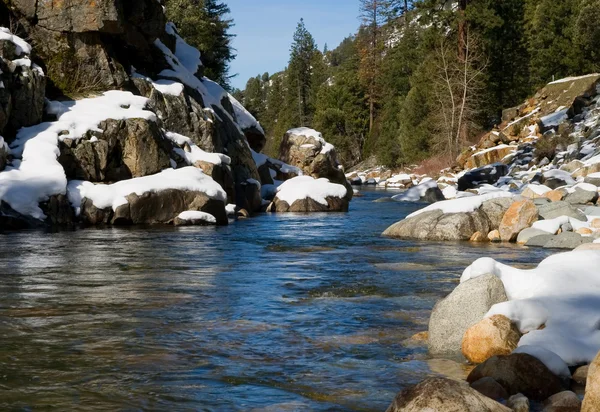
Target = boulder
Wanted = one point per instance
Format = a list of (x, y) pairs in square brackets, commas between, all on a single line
[(306, 149), (556, 195), (495, 209), (526, 234), (591, 401), (490, 388), (436, 225), (487, 174), (123, 150), (581, 197), (565, 401), (441, 394), (478, 237), (521, 215), (519, 373), (539, 241), (308, 205), (518, 403), (567, 240), (463, 308), (433, 194), (492, 336), (581, 373), (494, 236), (492, 156), (557, 209)]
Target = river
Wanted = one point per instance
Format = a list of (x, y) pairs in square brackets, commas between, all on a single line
[(275, 313)]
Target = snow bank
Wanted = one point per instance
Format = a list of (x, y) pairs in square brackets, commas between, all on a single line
[(463, 204), (308, 132), (22, 47), (196, 154), (562, 294), (39, 175), (104, 196), (303, 187), (194, 215), (414, 194)]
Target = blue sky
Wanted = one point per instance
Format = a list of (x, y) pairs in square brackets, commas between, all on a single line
[(264, 30)]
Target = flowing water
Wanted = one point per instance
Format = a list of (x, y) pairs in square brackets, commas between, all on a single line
[(276, 313)]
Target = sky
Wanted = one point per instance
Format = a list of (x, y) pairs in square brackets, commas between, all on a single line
[(264, 30)]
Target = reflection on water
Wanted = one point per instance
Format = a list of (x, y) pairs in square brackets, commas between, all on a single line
[(277, 313)]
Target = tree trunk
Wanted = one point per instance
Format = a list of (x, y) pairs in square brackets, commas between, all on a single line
[(462, 30)]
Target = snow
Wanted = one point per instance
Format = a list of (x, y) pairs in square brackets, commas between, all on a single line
[(39, 175), (560, 174), (196, 154), (414, 194), (230, 209), (491, 149), (303, 187), (552, 225), (22, 46), (556, 118), (538, 189), (308, 132), (260, 159), (188, 56), (192, 215), (243, 116), (552, 361), (562, 294), (114, 195), (165, 86), (450, 192), (463, 204), (570, 79)]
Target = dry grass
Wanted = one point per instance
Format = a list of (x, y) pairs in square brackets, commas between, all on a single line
[(433, 165)]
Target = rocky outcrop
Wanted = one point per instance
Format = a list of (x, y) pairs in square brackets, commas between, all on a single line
[(124, 149), (459, 311), (154, 208), (441, 394), (519, 373), (495, 335)]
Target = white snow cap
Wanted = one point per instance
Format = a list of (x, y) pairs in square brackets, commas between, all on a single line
[(303, 187), (22, 47), (195, 215), (308, 132), (463, 204)]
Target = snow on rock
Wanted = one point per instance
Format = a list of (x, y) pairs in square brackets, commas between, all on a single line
[(243, 116), (39, 175), (556, 118), (104, 196), (416, 193), (21, 45), (463, 204), (560, 174), (308, 132), (192, 215), (552, 361), (260, 159), (165, 86), (562, 294), (303, 187), (188, 56), (195, 154)]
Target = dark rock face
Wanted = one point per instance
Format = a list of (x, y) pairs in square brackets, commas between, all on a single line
[(125, 149), (487, 174), (519, 373), (433, 194), (154, 208), (334, 204)]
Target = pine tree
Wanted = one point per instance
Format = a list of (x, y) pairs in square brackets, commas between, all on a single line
[(300, 72)]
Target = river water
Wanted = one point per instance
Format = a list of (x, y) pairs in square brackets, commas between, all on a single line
[(276, 313)]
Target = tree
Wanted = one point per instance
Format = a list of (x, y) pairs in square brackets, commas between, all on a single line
[(300, 71), (204, 25)]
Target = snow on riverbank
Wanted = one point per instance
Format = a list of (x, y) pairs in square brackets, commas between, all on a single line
[(556, 305)]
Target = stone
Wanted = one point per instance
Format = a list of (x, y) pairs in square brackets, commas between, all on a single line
[(519, 373), (591, 400), (495, 209), (529, 193), (592, 211), (420, 336), (461, 309), (492, 336), (566, 227), (441, 394), (491, 157), (572, 166), (555, 195), (490, 388), (494, 236), (521, 215), (334, 204), (595, 224), (526, 234), (539, 241), (581, 373), (518, 403), (487, 174), (588, 246), (557, 209), (581, 197), (565, 401), (567, 240), (584, 231), (3, 154), (433, 194), (478, 237)]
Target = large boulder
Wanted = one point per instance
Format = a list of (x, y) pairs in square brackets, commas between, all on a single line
[(521, 215), (305, 194), (124, 149), (519, 373), (495, 335), (441, 394), (591, 401), (459, 311), (306, 149), (558, 209), (495, 209)]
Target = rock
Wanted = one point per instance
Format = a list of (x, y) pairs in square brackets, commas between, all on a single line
[(256, 138), (539, 241), (518, 403), (436, 225), (567, 240), (492, 336), (494, 236), (581, 373), (557, 209), (591, 401), (192, 222), (441, 394), (555, 195), (491, 157), (529, 193), (519, 373), (565, 401), (521, 215), (490, 388), (124, 150), (592, 211), (478, 237), (595, 223), (581, 197), (588, 246), (3, 154), (584, 231), (572, 166), (495, 209), (510, 114), (463, 308), (420, 337), (433, 194), (526, 234), (306, 149), (59, 212), (334, 204), (488, 174)]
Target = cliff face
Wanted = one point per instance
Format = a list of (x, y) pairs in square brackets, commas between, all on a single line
[(81, 49)]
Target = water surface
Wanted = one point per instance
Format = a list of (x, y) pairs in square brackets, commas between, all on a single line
[(276, 313)]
